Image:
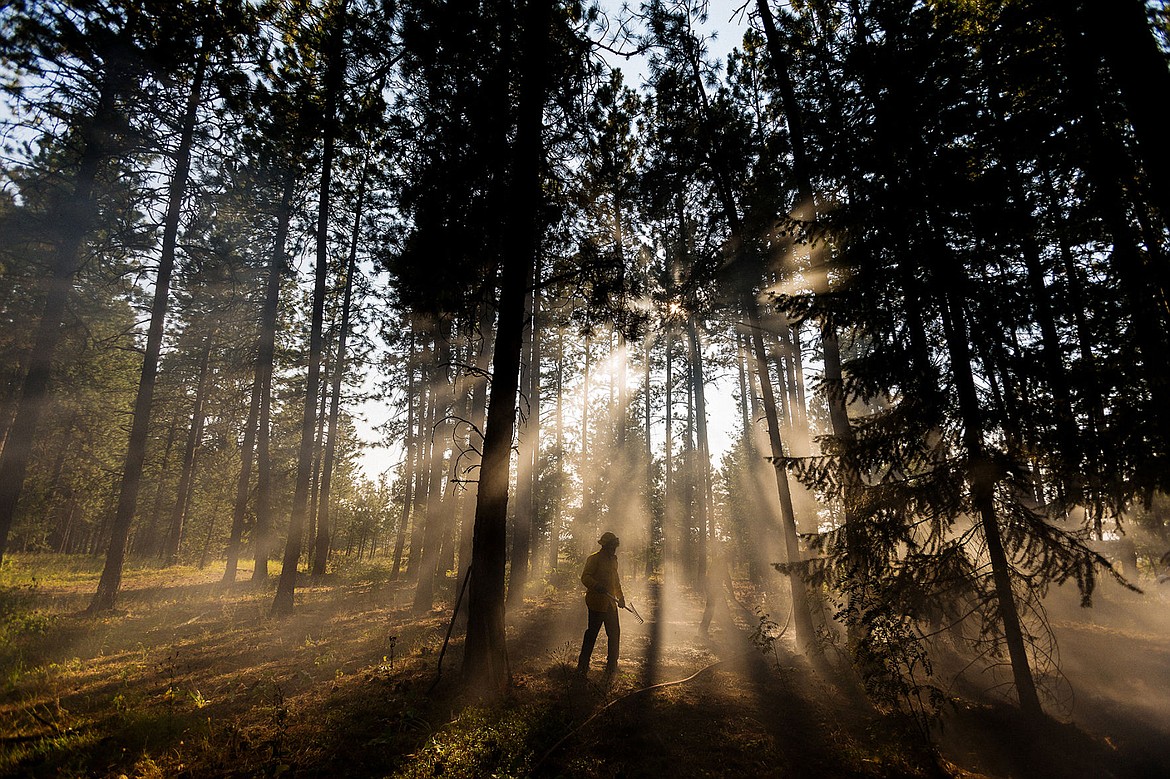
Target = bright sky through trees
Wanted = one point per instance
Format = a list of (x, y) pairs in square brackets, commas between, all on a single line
[(724, 30)]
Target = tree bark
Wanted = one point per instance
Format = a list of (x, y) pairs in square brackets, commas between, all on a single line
[(982, 479), (265, 360), (802, 617), (555, 521), (485, 661), (243, 485), (318, 449), (187, 469), (525, 511), (706, 514), (146, 543), (424, 467), (479, 398), (436, 514), (111, 578), (75, 217), (282, 604), (321, 546), (410, 445)]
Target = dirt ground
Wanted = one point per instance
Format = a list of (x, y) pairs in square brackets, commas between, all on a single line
[(191, 678)]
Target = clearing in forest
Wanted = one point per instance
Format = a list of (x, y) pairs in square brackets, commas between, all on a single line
[(194, 679)]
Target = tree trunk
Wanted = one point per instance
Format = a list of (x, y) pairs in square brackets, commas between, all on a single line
[(282, 604), (243, 485), (706, 503), (652, 531), (318, 450), (435, 518), (410, 446), (187, 472), (555, 521), (802, 617), (669, 499), (534, 408), (321, 546), (422, 473), (586, 523), (479, 396), (524, 512), (111, 579), (485, 661), (76, 214), (265, 359), (147, 542), (982, 478), (857, 548)]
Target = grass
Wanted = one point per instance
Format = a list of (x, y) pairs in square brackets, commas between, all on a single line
[(192, 678)]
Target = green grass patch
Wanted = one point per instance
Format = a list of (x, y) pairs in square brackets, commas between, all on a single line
[(482, 742), (20, 614)]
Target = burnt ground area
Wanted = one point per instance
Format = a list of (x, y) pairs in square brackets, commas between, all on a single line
[(191, 678)]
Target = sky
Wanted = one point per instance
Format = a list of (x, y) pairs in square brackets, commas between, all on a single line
[(724, 30)]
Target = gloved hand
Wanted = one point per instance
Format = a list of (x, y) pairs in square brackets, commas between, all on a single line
[(621, 603)]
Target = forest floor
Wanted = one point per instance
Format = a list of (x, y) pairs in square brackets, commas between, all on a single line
[(192, 678)]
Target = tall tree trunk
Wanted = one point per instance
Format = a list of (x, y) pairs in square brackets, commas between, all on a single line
[(706, 502), (688, 475), (318, 451), (534, 389), (75, 216), (111, 579), (436, 514), (797, 404), (485, 662), (282, 604), (586, 523), (321, 546), (424, 467), (187, 471), (243, 485), (555, 521), (802, 617), (654, 528), (858, 556), (523, 514), (479, 398), (410, 446), (746, 394), (669, 499), (981, 472), (147, 543), (265, 360)]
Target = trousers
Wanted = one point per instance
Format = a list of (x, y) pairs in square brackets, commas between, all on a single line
[(613, 634)]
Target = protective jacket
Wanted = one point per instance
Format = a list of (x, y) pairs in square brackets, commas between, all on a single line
[(601, 573)]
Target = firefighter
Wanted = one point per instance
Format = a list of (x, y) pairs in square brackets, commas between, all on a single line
[(603, 597)]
